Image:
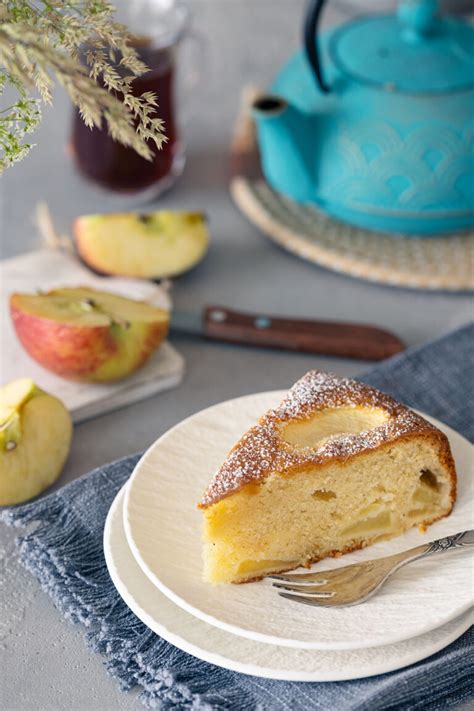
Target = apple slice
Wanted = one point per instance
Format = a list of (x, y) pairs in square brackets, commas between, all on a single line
[(150, 246), (35, 438), (15, 393), (88, 335)]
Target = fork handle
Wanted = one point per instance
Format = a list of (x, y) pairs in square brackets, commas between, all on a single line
[(449, 543), (442, 545)]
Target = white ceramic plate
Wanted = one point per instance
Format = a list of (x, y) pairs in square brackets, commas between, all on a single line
[(244, 655), (163, 529)]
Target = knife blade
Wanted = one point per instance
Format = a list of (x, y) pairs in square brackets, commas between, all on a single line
[(345, 340)]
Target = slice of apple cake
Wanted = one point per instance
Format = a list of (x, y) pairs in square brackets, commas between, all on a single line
[(337, 466)]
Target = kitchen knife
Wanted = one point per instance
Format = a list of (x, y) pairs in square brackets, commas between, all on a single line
[(346, 340)]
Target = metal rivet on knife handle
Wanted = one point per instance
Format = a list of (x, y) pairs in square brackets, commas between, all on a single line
[(218, 315)]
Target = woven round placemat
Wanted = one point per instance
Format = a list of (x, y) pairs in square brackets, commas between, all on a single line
[(445, 263)]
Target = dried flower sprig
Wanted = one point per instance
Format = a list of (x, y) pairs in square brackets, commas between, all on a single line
[(78, 43)]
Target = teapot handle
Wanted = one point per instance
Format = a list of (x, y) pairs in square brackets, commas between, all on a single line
[(311, 41)]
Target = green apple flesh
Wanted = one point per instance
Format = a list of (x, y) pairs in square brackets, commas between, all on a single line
[(35, 438), (151, 246), (88, 335)]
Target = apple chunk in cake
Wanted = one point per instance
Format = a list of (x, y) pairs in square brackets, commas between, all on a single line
[(337, 466)]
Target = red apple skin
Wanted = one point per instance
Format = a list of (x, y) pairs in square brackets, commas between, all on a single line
[(81, 353)]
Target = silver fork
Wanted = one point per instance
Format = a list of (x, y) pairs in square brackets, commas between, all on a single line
[(355, 583)]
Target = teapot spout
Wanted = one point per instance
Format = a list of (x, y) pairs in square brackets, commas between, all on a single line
[(282, 130)]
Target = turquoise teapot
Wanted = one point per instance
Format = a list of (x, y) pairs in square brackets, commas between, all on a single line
[(374, 121)]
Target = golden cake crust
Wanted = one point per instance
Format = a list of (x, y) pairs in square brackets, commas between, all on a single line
[(262, 450)]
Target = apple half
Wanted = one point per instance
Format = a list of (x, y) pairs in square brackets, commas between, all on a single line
[(88, 335), (148, 246), (35, 438)]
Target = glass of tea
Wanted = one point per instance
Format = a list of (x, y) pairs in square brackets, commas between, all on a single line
[(158, 27)]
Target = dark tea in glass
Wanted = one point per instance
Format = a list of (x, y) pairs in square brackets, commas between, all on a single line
[(109, 163)]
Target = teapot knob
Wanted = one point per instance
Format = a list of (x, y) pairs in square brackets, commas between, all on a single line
[(418, 16)]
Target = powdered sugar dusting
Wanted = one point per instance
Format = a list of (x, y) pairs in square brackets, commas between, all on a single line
[(262, 451), (318, 389)]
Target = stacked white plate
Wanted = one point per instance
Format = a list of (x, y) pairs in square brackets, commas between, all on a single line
[(152, 543)]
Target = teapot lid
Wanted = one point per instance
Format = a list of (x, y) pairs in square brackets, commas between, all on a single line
[(411, 52)]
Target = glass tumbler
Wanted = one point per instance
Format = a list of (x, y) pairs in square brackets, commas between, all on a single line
[(158, 28)]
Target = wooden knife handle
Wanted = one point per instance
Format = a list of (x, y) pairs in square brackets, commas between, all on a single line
[(346, 340)]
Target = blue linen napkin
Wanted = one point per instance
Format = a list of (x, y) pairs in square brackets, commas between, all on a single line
[(64, 552)]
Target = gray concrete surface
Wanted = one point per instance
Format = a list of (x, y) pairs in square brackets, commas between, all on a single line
[(44, 664)]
